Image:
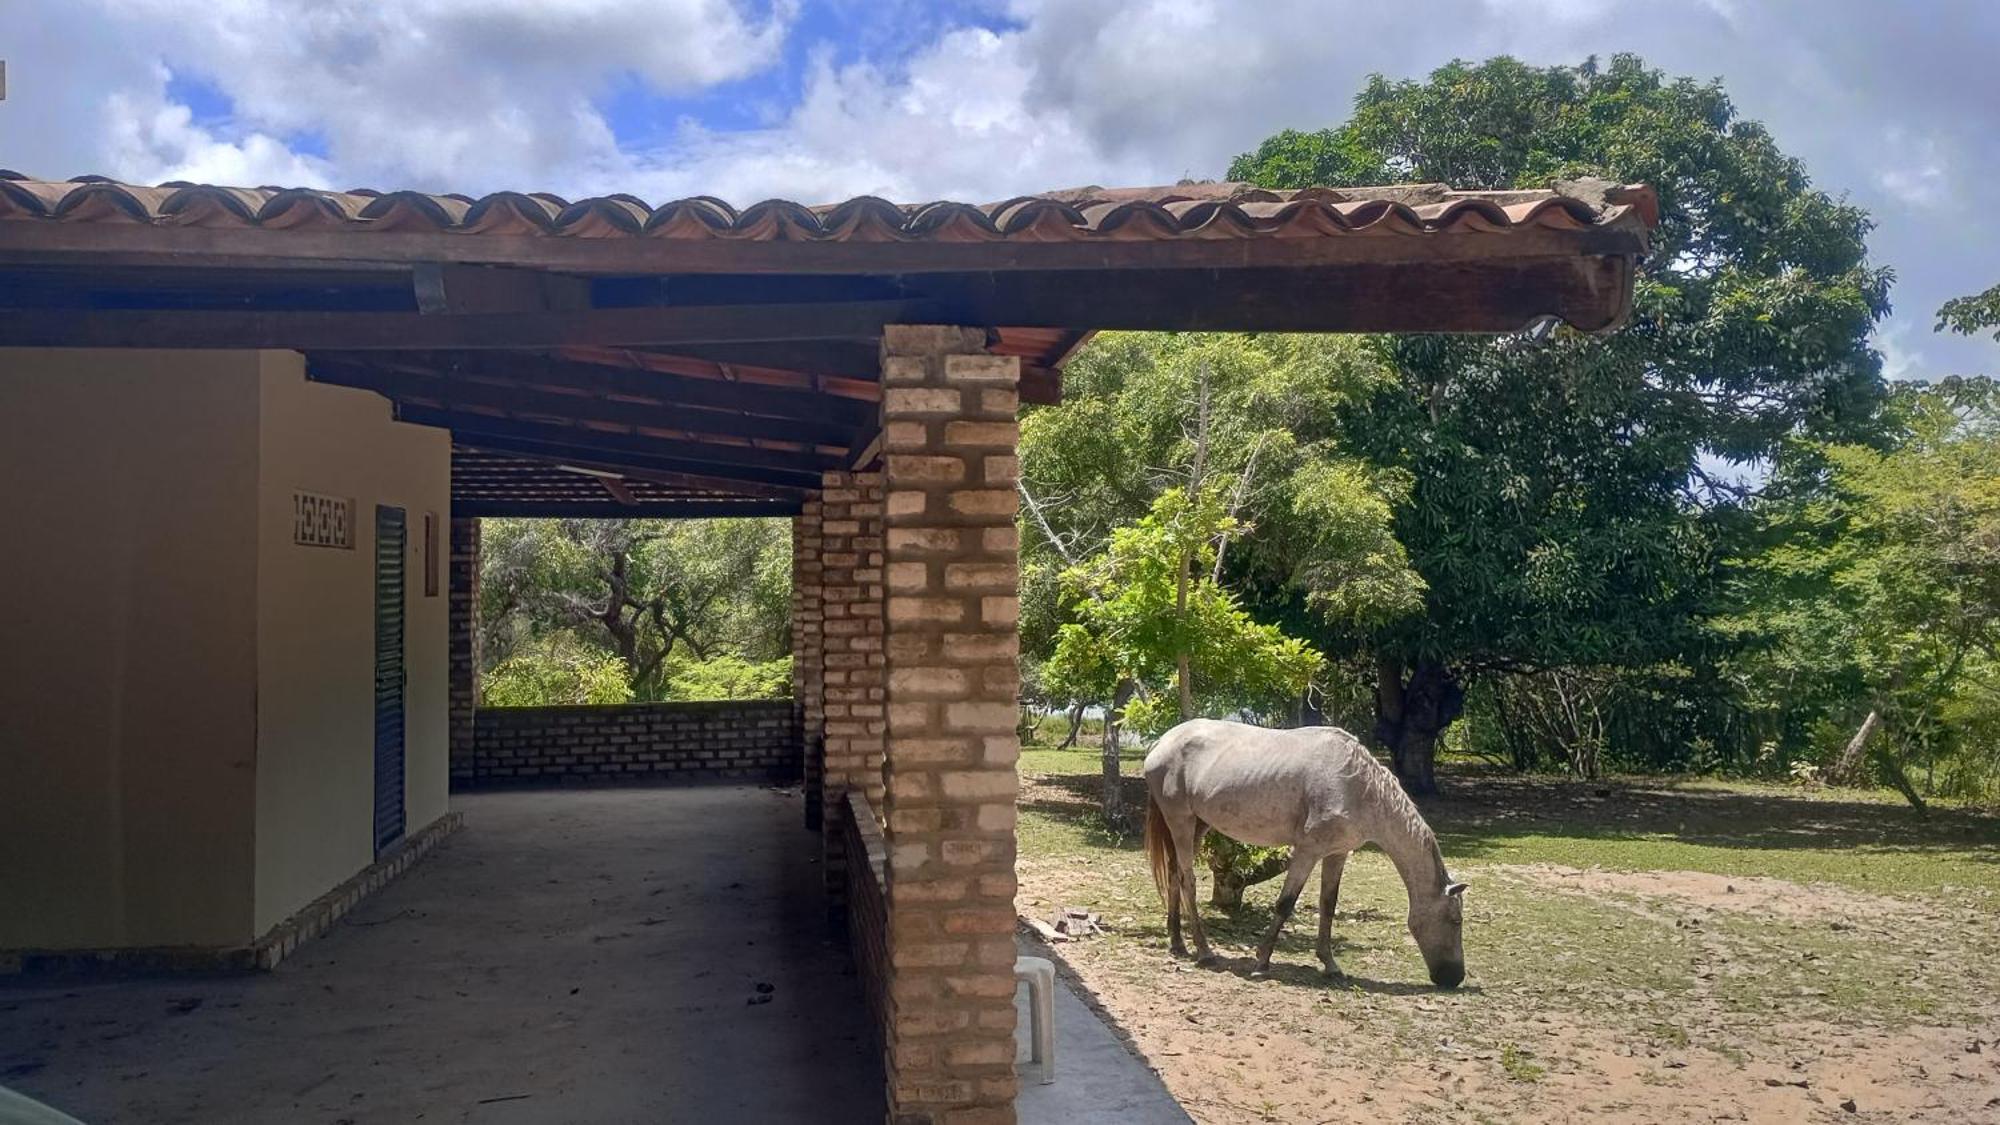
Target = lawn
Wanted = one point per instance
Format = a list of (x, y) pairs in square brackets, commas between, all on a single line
[(1638, 950)]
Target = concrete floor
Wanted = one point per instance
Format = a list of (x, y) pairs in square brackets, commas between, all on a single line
[(574, 956)]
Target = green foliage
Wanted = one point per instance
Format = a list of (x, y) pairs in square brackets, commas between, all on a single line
[(552, 671), (1969, 316), (649, 592), (729, 677), (1134, 620), (1881, 588), (1309, 518)]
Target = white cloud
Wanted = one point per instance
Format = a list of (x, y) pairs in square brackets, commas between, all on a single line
[(153, 140), (1912, 170), (443, 94), (951, 125), (1901, 357)]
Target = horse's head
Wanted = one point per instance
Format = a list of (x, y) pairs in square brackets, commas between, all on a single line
[(1438, 924)]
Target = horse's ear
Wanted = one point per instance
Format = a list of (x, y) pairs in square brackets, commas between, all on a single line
[(1455, 890)]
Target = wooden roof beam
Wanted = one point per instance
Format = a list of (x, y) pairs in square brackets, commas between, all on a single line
[(304, 330), (455, 289), (449, 392), (612, 509), (534, 369), (848, 359), (134, 244), (584, 439), (574, 446), (695, 482)]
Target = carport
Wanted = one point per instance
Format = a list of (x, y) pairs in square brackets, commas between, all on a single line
[(858, 367)]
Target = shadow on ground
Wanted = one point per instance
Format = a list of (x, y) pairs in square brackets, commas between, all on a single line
[(1483, 807)]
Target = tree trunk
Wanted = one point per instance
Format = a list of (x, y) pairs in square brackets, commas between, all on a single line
[(1890, 768), (1183, 674), (1411, 711), (1848, 766), (1075, 726), (1229, 878), (1114, 791)]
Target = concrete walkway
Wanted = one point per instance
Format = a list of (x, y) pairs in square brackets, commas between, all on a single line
[(577, 956), (1098, 1080)]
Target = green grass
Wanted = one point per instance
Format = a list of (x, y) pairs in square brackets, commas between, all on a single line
[(1519, 1065), (1867, 840)]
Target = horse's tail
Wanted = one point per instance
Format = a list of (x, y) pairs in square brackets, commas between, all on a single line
[(1159, 847)]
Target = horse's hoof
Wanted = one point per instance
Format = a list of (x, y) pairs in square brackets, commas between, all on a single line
[(1262, 972), (1332, 971)]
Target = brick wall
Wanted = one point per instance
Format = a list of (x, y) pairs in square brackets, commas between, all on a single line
[(738, 740), (463, 644), (867, 910), (851, 659), (807, 653)]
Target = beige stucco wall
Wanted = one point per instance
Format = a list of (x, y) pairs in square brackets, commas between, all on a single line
[(186, 697), (127, 647), (316, 634)]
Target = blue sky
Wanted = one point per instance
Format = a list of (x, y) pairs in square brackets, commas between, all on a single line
[(1896, 107)]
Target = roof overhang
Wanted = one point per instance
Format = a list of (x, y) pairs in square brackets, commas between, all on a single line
[(694, 341)]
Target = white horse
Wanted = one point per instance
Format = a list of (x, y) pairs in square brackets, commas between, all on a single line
[(1316, 789)]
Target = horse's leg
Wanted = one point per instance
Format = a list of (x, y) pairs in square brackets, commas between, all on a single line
[(1295, 881), (1174, 942), (1329, 897), (1187, 836)]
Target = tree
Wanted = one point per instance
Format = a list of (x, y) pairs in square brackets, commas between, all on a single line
[(1562, 510), (1238, 425), (1884, 584), (663, 596), (1968, 316), (1152, 612)]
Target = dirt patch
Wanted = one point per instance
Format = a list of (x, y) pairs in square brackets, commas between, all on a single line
[(1240, 1055), (1747, 894), (1595, 996)]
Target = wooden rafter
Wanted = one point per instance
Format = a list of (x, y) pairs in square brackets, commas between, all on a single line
[(612, 509), (692, 482), (665, 363), (534, 369), (303, 330), (513, 399), (580, 446), (592, 438)]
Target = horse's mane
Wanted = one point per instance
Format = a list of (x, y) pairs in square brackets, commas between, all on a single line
[(1387, 794)]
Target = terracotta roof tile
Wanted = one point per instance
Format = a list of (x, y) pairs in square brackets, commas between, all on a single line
[(1186, 211)]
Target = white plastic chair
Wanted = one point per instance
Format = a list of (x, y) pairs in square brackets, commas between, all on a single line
[(1039, 974)]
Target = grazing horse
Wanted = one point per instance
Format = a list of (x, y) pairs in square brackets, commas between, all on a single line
[(1316, 789)]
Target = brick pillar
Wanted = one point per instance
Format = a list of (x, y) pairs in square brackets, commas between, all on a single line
[(462, 646), (953, 575), (806, 654), (851, 659)]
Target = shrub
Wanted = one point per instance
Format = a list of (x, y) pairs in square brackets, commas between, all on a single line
[(554, 670)]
